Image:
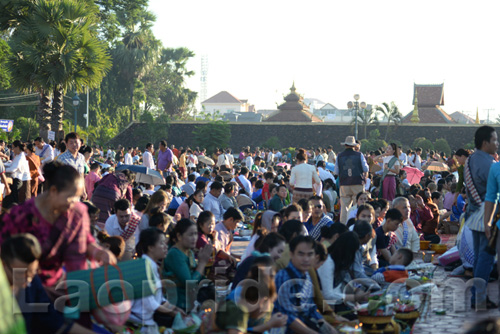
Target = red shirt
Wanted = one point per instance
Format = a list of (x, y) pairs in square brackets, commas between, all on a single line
[(265, 192), (63, 243)]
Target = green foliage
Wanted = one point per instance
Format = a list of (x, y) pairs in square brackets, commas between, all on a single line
[(28, 128), (391, 113), (423, 143), (272, 142), (441, 145), (5, 75), (374, 142), (212, 135), (155, 128), (10, 136), (470, 146)]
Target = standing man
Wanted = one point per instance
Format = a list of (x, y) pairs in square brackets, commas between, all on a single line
[(71, 156), (476, 170), (128, 157), (351, 168), (165, 158), (44, 151), (249, 159), (417, 160), (147, 158)]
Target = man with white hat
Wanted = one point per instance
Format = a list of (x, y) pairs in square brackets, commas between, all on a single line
[(351, 168)]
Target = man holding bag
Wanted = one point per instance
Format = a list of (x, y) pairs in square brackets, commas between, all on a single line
[(476, 170)]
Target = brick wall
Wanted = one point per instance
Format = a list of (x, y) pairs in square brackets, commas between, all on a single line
[(304, 135)]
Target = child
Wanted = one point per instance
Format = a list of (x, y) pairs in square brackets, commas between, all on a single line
[(396, 269), (386, 237)]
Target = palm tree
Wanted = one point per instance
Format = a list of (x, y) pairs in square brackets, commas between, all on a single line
[(55, 49), (136, 55), (391, 113), (366, 117)]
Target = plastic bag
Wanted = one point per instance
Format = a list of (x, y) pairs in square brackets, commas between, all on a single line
[(186, 325)]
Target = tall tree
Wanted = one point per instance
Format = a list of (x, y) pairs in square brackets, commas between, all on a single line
[(165, 84), (366, 117), (135, 55), (4, 70), (391, 113), (55, 49)]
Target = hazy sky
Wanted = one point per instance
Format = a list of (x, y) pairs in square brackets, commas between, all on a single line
[(334, 49)]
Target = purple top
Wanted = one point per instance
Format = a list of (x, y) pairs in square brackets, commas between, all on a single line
[(164, 158)]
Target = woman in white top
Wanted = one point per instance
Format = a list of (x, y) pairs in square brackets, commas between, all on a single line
[(391, 169), (303, 177), (153, 311), (20, 173), (265, 222), (196, 208), (335, 273)]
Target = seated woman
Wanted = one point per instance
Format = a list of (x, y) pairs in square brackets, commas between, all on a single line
[(335, 272), (289, 230), (180, 264), (196, 200), (153, 311), (22, 252), (429, 227), (114, 244), (159, 201), (330, 233), (250, 311), (291, 212), (273, 245), (267, 222), (161, 221), (361, 199)]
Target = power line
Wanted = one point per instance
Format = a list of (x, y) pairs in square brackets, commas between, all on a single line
[(27, 103), (18, 97)]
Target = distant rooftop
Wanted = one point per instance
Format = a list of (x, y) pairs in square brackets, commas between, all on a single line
[(223, 97)]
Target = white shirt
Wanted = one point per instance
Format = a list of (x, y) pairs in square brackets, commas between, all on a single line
[(270, 157), (412, 241), (324, 174), (212, 204), (143, 309), (113, 228), (128, 159), (195, 210), (247, 184), (249, 162), (386, 161), (222, 160), (148, 161), (326, 272), (417, 162), (46, 154), (109, 154), (19, 168), (403, 158), (302, 176)]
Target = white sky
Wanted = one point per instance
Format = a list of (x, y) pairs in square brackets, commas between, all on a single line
[(336, 48)]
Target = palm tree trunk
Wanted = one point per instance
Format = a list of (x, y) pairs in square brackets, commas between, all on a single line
[(58, 113), (387, 130), (132, 101), (43, 115)]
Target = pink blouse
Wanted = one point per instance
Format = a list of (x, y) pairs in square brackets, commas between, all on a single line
[(63, 243)]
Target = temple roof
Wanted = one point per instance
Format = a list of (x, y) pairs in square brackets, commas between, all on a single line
[(293, 110), (429, 95)]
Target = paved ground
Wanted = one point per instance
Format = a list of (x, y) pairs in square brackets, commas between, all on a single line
[(451, 295)]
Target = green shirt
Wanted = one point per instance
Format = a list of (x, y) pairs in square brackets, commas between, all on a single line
[(181, 268), (276, 203)]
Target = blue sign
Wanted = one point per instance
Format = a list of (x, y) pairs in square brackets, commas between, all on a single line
[(6, 125)]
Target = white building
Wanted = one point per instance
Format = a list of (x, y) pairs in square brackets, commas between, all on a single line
[(225, 103)]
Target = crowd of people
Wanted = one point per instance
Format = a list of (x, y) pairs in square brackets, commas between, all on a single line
[(319, 221)]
